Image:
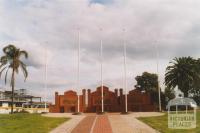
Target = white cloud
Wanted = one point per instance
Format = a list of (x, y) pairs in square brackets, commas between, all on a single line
[(36, 25)]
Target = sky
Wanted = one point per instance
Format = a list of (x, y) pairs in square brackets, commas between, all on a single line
[(50, 26)]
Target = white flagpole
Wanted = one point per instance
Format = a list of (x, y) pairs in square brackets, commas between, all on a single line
[(102, 102), (78, 71), (45, 84), (157, 65), (125, 77)]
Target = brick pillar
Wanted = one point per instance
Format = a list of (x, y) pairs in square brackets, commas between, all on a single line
[(122, 104), (56, 98), (57, 102), (89, 100), (121, 92), (83, 100), (76, 105), (115, 106), (116, 92)]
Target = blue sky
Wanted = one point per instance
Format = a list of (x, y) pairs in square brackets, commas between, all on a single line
[(102, 1), (38, 25)]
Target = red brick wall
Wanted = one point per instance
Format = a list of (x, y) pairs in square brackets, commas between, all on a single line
[(110, 100), (113, 102)]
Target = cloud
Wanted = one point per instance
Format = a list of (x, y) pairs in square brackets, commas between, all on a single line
[(101, 1), (42, 25)]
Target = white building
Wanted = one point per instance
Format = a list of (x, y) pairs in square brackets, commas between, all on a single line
[(22, 102)]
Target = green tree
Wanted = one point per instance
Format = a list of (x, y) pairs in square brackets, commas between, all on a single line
[(195, 94), (182, 73), (11, 60), (169, 93), (147, 82)]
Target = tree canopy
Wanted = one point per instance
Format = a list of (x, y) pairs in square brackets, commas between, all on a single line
[(147, 82), (183, 73), (11, 60)]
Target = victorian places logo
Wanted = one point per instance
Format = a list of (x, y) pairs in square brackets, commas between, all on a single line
[(182, 113)]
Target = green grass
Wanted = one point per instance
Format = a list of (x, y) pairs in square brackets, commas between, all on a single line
[(160, 123), (28, 123)]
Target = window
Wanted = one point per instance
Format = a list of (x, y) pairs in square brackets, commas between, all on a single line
[(18, 104)]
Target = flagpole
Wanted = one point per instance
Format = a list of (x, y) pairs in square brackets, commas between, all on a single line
[(102, 102), (125, 72), (157, 65), (45, 84), (78, 71)]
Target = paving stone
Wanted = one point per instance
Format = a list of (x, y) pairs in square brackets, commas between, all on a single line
[(120, 125), (102, 125), (67, 126), (109, 123), (138, 126), (85, 125)]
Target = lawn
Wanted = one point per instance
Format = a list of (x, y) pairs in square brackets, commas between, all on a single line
[(160, 123), (28, 123)]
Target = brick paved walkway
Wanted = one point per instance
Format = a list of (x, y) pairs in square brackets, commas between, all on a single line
[(94, 124), (67, 126), (102, 125), (85, 125), (108, 123)]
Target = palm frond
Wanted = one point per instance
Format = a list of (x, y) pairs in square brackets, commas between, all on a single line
[(10, 46), (2, 71), (4, 59), (2, 65), (6, 75), (24, 70), (23, 52)]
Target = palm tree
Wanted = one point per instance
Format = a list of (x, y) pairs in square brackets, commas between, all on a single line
[(182, 74), (11, 60)]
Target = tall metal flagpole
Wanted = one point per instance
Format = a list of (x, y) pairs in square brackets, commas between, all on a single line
[(102, 102), (45, 84), (78, 71), (125, 78), (157, 63)]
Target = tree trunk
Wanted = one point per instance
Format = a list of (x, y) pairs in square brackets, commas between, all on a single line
[(13, 85)]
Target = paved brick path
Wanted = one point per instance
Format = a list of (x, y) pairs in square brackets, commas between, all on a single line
[(102, 125), (68, 126), (94, 124), (85, 125), (109, 123)]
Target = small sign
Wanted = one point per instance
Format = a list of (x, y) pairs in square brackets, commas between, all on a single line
[(183, 118), (181, 121)]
